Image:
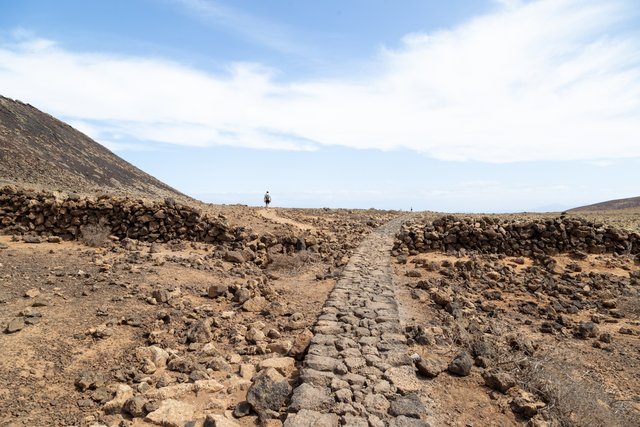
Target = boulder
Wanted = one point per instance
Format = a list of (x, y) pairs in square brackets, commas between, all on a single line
[(268, 392), (461, 364)]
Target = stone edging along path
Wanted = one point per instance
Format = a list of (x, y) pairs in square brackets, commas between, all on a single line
[(357, 371)]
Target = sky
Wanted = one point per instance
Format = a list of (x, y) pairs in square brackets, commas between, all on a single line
[(465, 106)]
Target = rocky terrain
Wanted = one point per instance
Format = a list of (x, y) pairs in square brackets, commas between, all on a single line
[(125, 303), (540, 317), (333, 319), (39, 151)]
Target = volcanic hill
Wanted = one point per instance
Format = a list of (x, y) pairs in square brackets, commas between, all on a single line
[(38, 150), (611, 205)]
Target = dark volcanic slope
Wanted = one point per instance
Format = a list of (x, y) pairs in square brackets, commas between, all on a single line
[(39, 150), (611, 205)]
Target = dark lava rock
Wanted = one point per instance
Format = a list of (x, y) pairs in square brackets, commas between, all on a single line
[(268, 392), (461, 365), (409, 406)]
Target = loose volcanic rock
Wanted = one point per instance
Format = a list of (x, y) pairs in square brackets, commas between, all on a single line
[(311, 397), (15, 325), (115, 405), (409, 406), (172, 413), (284, 365), (430, 368), (500, 381), (269, 391), (135, 406), (307, 418), (461, 364)]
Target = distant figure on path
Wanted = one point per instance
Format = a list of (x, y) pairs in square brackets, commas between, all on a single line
[(267, 199)]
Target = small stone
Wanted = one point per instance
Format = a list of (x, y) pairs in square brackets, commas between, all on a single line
[(136, 406), (242, 409), (301, 343), (284, 365), (547, 328), (587, 330), (307, 418), (376, 404), (172, 413), (409, 406), (440, 298), (269, 391), (235, 257), (430, 368), (247, 371), (606, 337), (307, 396), (216, 291), (499, 381), (161, 295), (255, 336), (115, 405), (85, 403), (242, 295), (200, 332), (15, 325), (404, 378), (255, 304), (321, 363), (280, 347), (32, 293), (343, 395), (155, 354), (461, 364)]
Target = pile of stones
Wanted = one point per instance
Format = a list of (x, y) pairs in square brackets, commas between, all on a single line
[(46, 213), (533, 239), (65, 216)]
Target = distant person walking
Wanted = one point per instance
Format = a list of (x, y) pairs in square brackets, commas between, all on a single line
[(267, 199)]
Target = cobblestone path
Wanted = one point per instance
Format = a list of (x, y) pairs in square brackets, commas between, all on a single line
[(358, 371)]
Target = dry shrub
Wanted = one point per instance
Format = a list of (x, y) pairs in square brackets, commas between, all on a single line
[(630, 305), (292, 264), (95, 234), (574, 395)]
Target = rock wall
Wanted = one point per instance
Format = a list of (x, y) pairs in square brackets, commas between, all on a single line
[(514, 238), (33, 213), (46, 213)]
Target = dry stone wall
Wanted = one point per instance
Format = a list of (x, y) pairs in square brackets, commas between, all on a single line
[(35, 213), (45, 213), (534, 239)]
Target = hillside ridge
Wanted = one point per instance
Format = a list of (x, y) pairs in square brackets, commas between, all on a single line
[(39, 150), (611, 205)]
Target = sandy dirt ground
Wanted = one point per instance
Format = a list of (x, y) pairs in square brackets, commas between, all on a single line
[(83, 318)]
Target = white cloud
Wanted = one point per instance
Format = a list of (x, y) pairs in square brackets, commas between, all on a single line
[(544, 80)]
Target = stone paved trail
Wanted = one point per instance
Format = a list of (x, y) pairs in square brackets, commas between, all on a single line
[(358, 371)]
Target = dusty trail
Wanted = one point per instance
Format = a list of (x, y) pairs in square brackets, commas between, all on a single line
[(357, 371), (272, 214)]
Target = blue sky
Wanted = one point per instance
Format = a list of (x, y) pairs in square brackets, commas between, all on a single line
[(466, 106)]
